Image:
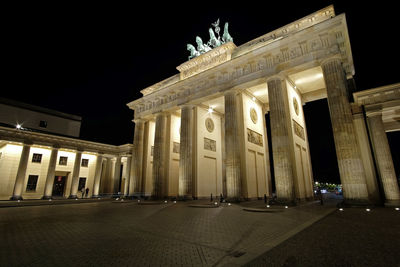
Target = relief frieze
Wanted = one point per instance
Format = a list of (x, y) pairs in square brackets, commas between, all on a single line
[(254, 137), (260, 63), (176, 148), (210, 144), (298, 130)]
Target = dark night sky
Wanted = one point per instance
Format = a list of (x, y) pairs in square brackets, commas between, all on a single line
[(90, 60)]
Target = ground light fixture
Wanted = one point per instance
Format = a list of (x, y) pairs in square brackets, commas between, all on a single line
[(18, 126), (229, 204), (397, 208), (267, 206), (286, 207), (341, 209), (368, 209)]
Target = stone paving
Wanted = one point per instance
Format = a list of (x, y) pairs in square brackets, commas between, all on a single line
[(352, 237), (110, 233), (125, 233)]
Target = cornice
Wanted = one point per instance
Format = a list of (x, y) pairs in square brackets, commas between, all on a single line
[(298, 50), (61, 142)]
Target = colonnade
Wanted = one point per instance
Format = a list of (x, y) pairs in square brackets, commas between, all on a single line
[(350, 162), (355, 171), (20, 181)]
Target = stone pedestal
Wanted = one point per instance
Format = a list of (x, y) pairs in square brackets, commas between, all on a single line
[(75, 175), (135, 180), (159, 156), (351, 168), (281, 143), (19, 180), (48, 189), (383, 159), (232, 147), (186, 153), (97, 175)]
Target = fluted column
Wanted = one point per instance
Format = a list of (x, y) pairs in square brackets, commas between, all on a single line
[(135, 180), (281, 143), (116, 175), (127, 174), (186, 153), (159, 156), (97, 175), (350, 164), (19, 180), (51, 170), (75, 175), (232, 147), (384, 159)]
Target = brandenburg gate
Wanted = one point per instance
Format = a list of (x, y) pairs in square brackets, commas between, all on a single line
[(203, 131)]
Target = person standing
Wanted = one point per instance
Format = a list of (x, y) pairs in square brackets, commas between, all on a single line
[(87, 192)]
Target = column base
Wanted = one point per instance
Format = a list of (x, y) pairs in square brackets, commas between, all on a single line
[(355, 203), (16, 198), (46, 197), (136, 195), (72, 196), (392, 203), (185, 198), (233, 199)]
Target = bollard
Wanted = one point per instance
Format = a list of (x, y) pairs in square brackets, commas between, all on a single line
[(211, 198), (265, 198)]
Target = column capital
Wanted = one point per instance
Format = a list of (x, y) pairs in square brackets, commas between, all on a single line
[(331, 59), (187, 105), (279, 76), (138, 120), (55, 146), (28, 143), (374, 113), (160, 112), (234, 91)]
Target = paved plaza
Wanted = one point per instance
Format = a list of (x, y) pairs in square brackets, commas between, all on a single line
[(115, 233)]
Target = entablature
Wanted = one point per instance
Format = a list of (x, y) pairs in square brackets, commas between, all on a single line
[(303, 49), (22, 136)]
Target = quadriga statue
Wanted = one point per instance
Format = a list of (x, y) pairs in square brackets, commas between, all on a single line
[(193, 51), (202, 48), (212, 43), (226, 37)]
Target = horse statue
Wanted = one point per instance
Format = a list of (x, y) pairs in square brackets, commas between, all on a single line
[(202, 48), (213, 42), (226, 37), (193, 51)]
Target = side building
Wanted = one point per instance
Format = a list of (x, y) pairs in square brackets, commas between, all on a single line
[(41, 157)]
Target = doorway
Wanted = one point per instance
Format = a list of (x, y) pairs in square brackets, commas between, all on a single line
[(59, 186)]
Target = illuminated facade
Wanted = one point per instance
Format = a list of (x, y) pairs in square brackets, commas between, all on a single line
[(203, 131), (36, 163)]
